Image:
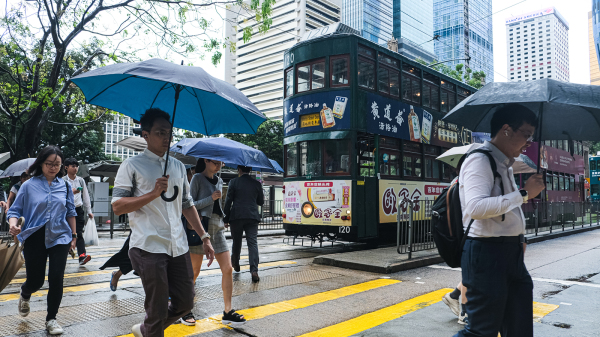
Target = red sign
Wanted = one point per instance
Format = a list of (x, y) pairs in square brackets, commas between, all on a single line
[(433, 189), (318, 184)]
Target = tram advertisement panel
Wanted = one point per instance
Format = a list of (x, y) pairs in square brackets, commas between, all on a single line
[(556, 159), (317, 202), (324, 111), (392, 191), (390, 117)]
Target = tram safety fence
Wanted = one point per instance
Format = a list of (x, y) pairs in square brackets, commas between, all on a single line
[(414, 226)]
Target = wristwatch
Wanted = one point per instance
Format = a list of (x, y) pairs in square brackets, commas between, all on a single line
[(74, 235), (524, 195), (205, 236)]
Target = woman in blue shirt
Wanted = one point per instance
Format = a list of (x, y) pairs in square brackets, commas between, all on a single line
[(46, 202)]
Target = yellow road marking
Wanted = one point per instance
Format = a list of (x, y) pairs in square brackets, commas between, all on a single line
[(375, 318), (103, 285), (214, 323), (542, 309)]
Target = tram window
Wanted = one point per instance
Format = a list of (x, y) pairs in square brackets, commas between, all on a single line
[(383, 76), (408, 167), (413, 165), (394, 83), (461, 98), (310, 158), (555, 186), (318, 75), (451, 101), (548, 143), (592, 165), (311, 76), (448, 86), (411, 88), (366, 73), (289, 82), (336, 156), (291, 160), (340, 70), (561, 183), (366, 161), (448, 172), (445, 101), (568, 184), (595, 189), (572, 183), (368, 52), (389, 163), (566, 145), (548, 182), (429, 163), (416, 91), (303, 78), (554, 144)]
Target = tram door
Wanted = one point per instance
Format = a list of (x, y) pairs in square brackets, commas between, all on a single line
[(367, 207)]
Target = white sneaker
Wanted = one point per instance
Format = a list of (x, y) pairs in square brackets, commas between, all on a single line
[(137, 330), (23, 306), (453, 304), (463, 319), (53, 327)]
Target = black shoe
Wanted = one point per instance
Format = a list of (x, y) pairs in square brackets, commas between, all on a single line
[(235, 265), (255, 278), (234, 318)]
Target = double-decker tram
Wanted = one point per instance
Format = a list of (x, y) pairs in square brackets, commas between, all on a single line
[(595, 179), (362, 130)]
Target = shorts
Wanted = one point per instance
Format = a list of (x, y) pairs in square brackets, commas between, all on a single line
[(216, 229)]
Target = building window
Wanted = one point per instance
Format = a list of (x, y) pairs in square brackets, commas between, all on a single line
[(310, 76), (340, 71)]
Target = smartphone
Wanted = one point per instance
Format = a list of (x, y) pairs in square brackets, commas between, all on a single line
[(80, 188)]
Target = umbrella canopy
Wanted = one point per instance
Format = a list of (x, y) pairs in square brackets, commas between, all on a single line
[(230, 152), (4, 157), (523, 164), (566, 110), (205, 104), (15, 169), (134, 143)]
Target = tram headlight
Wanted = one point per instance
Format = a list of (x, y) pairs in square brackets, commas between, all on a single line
[(307, 209)]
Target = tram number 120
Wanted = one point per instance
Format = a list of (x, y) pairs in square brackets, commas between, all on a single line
[(344, 229)]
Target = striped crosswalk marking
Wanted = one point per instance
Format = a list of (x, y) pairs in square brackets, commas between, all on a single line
[(104, 285), (214, 323), (375, 318)]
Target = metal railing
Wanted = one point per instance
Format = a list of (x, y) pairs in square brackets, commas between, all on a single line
[(414, 227)]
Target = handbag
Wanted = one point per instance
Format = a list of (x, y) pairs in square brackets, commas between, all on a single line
[(193, 237)]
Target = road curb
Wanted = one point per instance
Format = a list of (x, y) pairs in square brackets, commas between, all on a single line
[(532, 238)]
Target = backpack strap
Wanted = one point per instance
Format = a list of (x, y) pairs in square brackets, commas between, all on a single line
[(488, 154)]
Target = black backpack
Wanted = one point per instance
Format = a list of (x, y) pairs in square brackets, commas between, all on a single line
[(446, 219)]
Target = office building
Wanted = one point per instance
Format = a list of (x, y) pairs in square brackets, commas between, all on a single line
[(372, 18), (537, 46), (256, 67), (463, 31), (594, 52), (115, 130), (413, 28)]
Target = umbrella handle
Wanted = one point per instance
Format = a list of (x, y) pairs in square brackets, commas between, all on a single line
[(170, 199)]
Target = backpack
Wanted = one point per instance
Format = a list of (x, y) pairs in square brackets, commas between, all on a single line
[(446, 219)]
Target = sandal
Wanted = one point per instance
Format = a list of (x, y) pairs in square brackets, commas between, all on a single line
[(185, 320), (233, 318)]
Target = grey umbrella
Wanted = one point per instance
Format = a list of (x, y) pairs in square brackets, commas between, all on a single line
[(565, 110), (15, 169)]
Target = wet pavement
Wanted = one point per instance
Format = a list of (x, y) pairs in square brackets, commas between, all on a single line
[(296, 297)]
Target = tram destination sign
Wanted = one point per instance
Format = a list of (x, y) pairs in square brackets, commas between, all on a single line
[(393, 118), (324, 111)]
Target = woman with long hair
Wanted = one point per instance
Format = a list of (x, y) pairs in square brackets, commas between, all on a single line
[(43, 219)]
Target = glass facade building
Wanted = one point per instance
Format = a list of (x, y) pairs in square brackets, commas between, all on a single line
[(594, 53), (464, 28), (596, 27), (373, 18), (413, 20)]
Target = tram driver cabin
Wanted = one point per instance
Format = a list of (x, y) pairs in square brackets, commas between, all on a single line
[(362, 128)]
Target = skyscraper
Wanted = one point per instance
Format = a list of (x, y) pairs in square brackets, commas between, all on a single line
[(594, 52), (537, 46), (463, 32), (596, 27), (413, 20), (372, 18), (256, 67)]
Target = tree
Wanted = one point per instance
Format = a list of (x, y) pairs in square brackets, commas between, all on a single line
[(475, 79), (42, 48), (268, 138)]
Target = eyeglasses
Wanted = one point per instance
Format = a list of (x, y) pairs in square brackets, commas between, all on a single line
[(52, 165), (527, 135), (217, 163)]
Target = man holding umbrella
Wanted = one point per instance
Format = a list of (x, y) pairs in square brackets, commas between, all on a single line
[(158, 246)]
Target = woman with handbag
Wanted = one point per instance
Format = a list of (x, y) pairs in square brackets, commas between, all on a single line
[(205, 189), (46, 202)]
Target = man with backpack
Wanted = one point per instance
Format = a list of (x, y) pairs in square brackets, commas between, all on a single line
[(82, 200), (499, 287)]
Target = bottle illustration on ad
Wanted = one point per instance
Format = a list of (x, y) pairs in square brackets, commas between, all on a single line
[(339, 106), (413, 125), (327, 120), (426, 128)]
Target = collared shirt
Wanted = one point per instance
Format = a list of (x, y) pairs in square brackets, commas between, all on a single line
[(481, 198), (83, 197), (42, 204), (156, 227)]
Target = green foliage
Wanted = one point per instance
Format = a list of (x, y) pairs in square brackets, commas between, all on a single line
[(460, 73), (268, 138), (113, 157)]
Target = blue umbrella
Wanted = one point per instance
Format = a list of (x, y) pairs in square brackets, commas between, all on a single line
[(207, 105), (276, 166), (230, 152)]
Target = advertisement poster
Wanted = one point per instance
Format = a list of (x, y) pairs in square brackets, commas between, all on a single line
[(556, 160), (324, 202), (393, 118), (322, 111), (393, 191)]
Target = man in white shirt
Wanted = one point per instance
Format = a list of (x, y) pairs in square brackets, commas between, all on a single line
[(82, 200), (159, 250), (499, 287)]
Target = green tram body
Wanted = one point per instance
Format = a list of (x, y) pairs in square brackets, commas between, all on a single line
[(370, 169)]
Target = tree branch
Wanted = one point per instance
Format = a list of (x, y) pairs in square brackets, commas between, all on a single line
[(80, 124), (10, 149)]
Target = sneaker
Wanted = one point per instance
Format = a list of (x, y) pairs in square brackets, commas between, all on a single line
[(23, 306), (137, 330), (453, 304), (233, 318), (53, 327), (463, 318), (184, 320), (83, 259)]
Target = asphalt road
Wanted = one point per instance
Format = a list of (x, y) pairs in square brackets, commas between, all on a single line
[(298, 298)]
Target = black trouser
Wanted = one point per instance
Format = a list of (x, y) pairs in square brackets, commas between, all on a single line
[(80, 227), (499, 288), (36, 254), (250, 226)]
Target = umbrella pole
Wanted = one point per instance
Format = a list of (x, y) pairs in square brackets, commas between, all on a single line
[(175, 188), (540, 125)]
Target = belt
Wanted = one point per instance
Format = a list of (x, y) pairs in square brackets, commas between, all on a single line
[(503, 239)]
